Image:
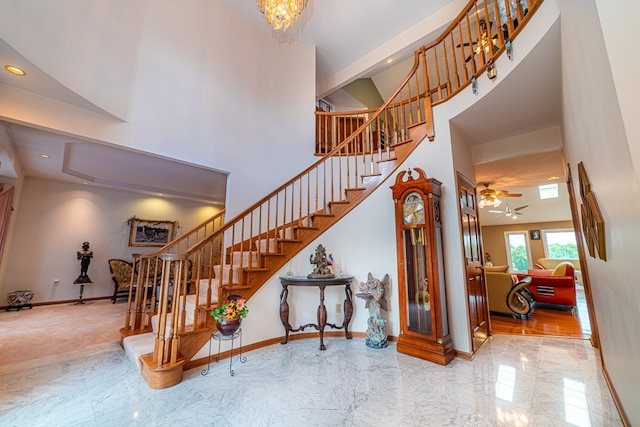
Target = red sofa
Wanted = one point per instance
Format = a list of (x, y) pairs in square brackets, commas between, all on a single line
[(556, 286)]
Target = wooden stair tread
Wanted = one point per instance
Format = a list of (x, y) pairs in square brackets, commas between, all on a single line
[(388, 159)]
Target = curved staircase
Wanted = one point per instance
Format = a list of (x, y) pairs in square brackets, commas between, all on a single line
[(168, 320)]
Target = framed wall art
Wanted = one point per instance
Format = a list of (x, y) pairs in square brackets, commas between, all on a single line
[(150, 232), (591, 216), (583, 182)]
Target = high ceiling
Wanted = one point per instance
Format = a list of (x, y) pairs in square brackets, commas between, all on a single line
[(344, 33)]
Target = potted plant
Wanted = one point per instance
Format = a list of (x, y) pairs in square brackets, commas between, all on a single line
[(229, 315)]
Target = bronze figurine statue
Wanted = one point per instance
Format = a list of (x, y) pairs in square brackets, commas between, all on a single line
[(322, 269), (84, 256)]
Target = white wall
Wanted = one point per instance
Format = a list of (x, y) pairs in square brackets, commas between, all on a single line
[(194, 80), (619, 24), (548, 139), (594, 131), (53, 219)]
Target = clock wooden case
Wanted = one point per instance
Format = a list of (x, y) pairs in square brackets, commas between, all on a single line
[(424, 328)]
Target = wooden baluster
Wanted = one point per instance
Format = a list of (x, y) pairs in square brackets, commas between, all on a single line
[(454, 58), (462, 53), (446, 66)]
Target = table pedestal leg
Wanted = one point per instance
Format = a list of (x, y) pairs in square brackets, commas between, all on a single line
[(284, 313), (322, 318), (348, 311)]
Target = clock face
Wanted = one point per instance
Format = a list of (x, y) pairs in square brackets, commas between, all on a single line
[(413, 209)]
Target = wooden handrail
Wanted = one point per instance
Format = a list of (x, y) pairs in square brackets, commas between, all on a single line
[(449, 62), (182, 282)]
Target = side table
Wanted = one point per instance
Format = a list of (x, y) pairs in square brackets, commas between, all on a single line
[(321, 314), (219, 337)]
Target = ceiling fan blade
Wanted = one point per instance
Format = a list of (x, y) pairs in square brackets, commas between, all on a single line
[(500, 194), (521, 207), (497, 212)]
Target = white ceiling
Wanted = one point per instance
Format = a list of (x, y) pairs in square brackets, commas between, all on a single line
[(343, 32)]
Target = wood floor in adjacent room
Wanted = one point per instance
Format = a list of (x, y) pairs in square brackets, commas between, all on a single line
[(548, 320)]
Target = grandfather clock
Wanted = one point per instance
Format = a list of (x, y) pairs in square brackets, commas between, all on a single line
[(424, 328)]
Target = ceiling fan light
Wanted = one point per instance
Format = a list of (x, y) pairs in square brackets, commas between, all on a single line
[(497, 202)]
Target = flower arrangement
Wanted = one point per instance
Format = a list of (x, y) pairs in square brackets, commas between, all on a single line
[(487, 257), (231, 309)]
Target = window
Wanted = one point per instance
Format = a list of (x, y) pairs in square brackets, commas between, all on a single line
[(548, 191), (518, 251), (560, 243)]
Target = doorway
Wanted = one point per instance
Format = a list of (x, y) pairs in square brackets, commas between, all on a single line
[(578, 322)]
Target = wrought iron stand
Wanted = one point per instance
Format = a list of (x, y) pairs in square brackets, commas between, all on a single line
[(219, 337)]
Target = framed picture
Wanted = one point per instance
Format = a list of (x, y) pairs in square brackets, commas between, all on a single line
[(583, 182), (149, 232), (597, 226), (534, 234)]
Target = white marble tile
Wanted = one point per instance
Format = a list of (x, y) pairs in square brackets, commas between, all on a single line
[(349, 384)]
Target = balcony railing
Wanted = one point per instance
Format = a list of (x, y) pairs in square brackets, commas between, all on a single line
[(474, 39)]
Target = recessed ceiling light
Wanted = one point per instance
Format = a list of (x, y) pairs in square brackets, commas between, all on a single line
[(389, 61), (45, 156), (15, 70)]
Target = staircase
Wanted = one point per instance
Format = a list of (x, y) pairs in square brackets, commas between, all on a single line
[(168, 320)]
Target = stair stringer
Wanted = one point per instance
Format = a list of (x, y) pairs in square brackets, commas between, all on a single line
[(254, 278)]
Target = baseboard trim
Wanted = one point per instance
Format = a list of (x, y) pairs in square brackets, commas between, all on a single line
[(464, 355), (616, 399), (246, 348), (66, 301)]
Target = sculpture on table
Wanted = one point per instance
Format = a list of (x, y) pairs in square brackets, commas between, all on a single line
[(374, 292), (321, 270), (84, 256)]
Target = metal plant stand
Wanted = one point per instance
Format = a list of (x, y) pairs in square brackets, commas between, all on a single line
[(219, 337)]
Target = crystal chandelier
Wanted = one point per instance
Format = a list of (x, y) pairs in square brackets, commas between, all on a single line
[(281, 13)]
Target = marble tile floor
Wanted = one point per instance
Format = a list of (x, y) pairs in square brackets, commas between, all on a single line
[(513, 381)]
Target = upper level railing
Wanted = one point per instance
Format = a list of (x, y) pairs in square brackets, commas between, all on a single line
[(474, 39), (213, 264)]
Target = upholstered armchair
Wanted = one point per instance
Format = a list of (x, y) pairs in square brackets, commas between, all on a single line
[(507, 297), (557, 286), (121, 272)]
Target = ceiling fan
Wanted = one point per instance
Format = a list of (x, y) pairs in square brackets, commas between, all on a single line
[(510, 212), (489, 196)]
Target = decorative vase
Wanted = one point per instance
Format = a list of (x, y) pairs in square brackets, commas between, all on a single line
[(229, 326)]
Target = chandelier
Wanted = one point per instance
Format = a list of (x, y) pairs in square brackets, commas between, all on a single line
[(281, 13)]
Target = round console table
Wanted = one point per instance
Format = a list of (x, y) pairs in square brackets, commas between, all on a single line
[(321, 283)]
